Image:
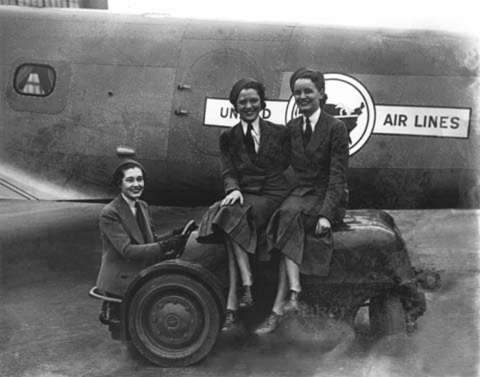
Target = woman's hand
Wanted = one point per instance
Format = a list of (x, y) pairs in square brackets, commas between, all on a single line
[(232, 198), (323, 226)]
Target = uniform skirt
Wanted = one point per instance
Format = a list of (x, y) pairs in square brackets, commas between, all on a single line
[(244, 224), (291, 230)]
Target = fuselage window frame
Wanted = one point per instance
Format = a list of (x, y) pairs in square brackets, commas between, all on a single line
[(37, 74)]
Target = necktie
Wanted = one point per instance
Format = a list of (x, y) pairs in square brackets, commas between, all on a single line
[(249, 142), (307, 133), (141, 221)]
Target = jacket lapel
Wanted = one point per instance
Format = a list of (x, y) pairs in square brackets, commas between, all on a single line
[(146, 219), (297, 134), (238, 140), (264, 138), (129, 221), (238, 134)]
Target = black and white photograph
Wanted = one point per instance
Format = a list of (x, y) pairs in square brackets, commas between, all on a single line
[(239, 188)]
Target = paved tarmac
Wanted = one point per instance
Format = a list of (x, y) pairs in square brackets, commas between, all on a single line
[(50, 254)]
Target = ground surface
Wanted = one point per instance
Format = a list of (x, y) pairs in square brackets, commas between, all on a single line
[(48, 325)]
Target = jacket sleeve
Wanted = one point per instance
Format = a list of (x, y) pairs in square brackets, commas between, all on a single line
[(149, 218), (337, 175), (229, 172), (111, 226)]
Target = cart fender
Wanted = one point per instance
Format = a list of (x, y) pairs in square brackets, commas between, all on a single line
[(177, 266)]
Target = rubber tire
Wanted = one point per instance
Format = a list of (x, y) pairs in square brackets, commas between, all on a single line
[(171, 288), (387, 316)]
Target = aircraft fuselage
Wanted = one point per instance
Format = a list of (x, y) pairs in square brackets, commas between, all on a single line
[(160, 86)]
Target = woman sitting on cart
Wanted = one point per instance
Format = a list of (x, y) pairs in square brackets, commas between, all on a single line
[(254, 155), (301, 228)]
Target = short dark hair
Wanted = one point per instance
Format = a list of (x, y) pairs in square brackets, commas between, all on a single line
[(315, 76), (307, 73), (118, 174), (247, 83)]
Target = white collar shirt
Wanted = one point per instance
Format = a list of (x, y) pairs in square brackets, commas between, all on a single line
[(131, 204), (255, 132), (313, 120)]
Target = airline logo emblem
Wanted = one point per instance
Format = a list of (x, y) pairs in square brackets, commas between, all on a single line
[(349, 101)]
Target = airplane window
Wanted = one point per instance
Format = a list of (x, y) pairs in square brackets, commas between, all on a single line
[(34, 80)]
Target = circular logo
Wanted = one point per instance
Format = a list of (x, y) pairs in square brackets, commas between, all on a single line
[(349, 101)]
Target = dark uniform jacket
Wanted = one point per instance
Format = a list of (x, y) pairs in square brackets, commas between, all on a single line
[(125, 251), (265, 172), (321, 167), (261, 181), (319, 190)]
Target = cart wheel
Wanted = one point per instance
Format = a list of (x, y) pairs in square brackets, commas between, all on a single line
[(387, 316), (173, 320)]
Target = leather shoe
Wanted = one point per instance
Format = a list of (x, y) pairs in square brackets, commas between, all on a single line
[(246, 300), (231, 320), (292, 304), (269, 324)]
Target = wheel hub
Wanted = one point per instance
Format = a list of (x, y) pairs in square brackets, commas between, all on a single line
[(174, 321)]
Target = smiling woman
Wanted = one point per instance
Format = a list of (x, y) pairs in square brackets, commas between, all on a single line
[(301, 229), (132, 183), (254, 154), (129, 240), (307, 96), (249, 104)]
